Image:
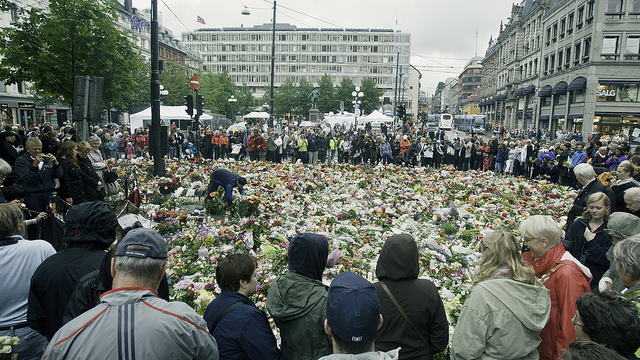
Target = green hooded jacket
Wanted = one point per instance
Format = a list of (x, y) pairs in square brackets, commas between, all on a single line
[(627, 225)]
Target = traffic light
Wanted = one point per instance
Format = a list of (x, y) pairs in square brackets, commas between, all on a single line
[(199, 102), (400, 112), (189, 102)]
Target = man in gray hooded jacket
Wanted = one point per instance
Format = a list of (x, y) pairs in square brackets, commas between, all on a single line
[(297, 299)]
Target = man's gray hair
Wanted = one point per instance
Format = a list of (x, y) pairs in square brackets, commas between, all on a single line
[(5, 168), (633, 194), (140, 268), (586, 170), (627, 253)]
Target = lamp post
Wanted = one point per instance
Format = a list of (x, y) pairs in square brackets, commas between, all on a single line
[(156, 149), (246, 11), (357, 95), (233, 100)]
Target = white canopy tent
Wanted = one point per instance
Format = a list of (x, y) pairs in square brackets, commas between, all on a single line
[(257, 115), (376, 118), (167, 113)]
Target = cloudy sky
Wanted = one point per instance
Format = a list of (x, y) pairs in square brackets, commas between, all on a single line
[(443, 32)]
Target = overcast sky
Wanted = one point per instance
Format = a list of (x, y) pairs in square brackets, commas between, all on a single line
[(443, 32)]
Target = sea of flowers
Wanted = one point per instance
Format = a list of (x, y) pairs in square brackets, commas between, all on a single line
[(355, 207)]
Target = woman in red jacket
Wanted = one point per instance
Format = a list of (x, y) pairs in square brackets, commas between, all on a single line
[(561, 273)]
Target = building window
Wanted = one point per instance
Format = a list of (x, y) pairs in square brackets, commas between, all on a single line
[(545, 101), (634, 13), (560, 54), (552, 63), (586, 50), (563, 26), (577, 96), (580, 20), (614, 9), (560, 99), (570, 19), (610, 48), (548, 37), (589, 12), (632, 51), (576, 54), (617, 93), (546, 65)]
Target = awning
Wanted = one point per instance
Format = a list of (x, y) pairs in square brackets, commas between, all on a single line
[(575, 116), (558, 117), (529, 90), (618, 83), (491, 102), (544, 117), (518, 93), (545, 91), (560, 88), (500, 97), (577, 83)]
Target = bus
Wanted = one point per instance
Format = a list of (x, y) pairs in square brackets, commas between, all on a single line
[(446, 121), (473, 124)]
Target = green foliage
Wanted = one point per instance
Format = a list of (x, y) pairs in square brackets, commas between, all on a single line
[(175, 80), (303, 102), (344, 93), (246, 102), (73, 38), (449, 228), (217, 88), (327, 101), (285, 98), (371, 98)]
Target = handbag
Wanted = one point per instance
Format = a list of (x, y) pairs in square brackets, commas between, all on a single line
[(111, 188), (404, 314)]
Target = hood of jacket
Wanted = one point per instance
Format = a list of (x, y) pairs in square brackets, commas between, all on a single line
[(530, 304), (624, 224), (90, 222), (292, 296), (398, 258), (308, 255)]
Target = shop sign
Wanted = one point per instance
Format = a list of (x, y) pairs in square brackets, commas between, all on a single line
[(606, 92), (26, 106), (138, 24)]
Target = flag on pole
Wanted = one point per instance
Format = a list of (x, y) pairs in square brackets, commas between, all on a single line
[(201, 20)]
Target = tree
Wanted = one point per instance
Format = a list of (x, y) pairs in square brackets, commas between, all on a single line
[(303, 103), (344, 93), (285, 98), (246, 102), (371, 98), (327, 101), (175, 80), (48, 48), (217, 88)]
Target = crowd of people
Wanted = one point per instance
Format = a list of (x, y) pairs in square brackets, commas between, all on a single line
[(561, 294)]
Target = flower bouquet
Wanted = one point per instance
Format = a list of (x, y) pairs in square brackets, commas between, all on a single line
[(214, 204), (168, 187), (6, 347)]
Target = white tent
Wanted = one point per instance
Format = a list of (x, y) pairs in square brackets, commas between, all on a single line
[(345, 120), (257, 115), (376, 118), (167, 113)]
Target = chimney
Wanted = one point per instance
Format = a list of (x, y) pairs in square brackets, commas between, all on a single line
[(127, 6)]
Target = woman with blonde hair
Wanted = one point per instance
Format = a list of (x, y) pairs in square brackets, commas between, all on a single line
[(625, 174), (507, 306), (586, 239), (561, 273)]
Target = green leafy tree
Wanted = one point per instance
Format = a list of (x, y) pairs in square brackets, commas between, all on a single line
[(176, 81), (246, 102), (371, 98), (303, 103), (344, 93), (285, 98), (48, 48), (327, 101), (217, 88)]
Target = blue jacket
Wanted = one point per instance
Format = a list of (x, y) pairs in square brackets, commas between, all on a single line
[(35, 180), (578, 158), (500, 156), (244, 333), (227, 180)]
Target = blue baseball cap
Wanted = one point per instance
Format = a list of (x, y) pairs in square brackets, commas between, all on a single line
[(143, 237), (353, 308)]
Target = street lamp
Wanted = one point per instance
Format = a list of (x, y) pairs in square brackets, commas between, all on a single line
[(357, 95), (232, 100), (246, 11)]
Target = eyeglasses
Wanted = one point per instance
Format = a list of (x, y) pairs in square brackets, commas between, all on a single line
[(574, 320)]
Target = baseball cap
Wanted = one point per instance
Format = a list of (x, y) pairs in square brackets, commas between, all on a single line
[(143, 237), (353, 308)]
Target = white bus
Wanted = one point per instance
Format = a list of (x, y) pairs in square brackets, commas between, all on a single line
[(446, 121)]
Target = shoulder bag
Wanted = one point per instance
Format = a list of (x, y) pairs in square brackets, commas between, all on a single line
[(404, 314)]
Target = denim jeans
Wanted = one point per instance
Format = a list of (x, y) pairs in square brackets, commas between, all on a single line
[(32, 344)]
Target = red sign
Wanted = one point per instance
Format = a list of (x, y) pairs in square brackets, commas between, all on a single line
[(49, 112), (194, 82)]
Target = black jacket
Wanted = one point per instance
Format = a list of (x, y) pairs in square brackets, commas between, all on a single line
[(398, 268), (71, 182), (580, 203), (90, 228), (90, 181)]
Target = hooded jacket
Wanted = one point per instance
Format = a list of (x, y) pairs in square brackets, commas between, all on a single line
[(90, 228), (372, 355), (566, 284), (398, 268), (297, 300), (627, 225), (499, 313)]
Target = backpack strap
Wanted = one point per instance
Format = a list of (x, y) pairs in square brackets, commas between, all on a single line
[(224, 313), (551, 272)]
